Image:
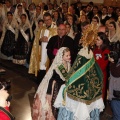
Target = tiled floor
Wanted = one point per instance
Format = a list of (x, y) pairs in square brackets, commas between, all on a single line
[(23, 88)]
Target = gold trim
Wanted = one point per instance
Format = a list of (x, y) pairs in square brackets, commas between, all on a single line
[(88, 102), (84, 73)]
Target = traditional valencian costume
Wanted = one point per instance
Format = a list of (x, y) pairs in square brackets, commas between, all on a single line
[(42, 110), (81, 97), (9, 36), (22, 49)]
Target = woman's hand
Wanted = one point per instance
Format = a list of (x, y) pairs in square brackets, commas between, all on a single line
[(111, 60)]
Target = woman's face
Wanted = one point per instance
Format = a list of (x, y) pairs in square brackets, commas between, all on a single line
[(23, 19), (70, 20), (82, 18), (67, 56), (10, 17), (99, 42), (38, 9), (40, 24), (20, 9), (111, 27), (94, 21), (68, 28), (55, 15)]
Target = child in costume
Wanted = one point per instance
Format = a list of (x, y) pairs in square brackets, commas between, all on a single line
[(49, 87), (81, 97)]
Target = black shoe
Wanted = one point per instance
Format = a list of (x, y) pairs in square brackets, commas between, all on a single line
[(40, 76)]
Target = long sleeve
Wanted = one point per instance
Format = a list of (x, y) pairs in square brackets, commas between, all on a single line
[(50, 49), (49, 90), (100, 58), (55, 77)]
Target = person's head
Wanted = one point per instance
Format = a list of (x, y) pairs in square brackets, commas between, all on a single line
[(117, 10), (50, 6), (110, 10), (91, 4), (112, 26), (61, 30), (19, 7), (47, 19), (70, 10), (24, 4), (17, 1), (70, 19), (101, 7), (104, 10), (102, 29), (63, 4), (31, 7), (23, 18), (7, 3), (95, 10), (95, 20), (88, 8), (9, 16), (66, 55), (55, 14), (64, 9), (38, 9), (79, 4), (83, 18), (40, 23), (102, 41), (68, 27), (84, 25)]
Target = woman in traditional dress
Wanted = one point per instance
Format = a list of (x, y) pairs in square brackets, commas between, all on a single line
[(48, 89), (69, 32), (113, 31), (96, 21), (9, 35), (22, 45), (18, 12), (81, 97)]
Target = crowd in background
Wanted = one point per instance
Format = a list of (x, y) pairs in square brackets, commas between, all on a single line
[(28, 36)]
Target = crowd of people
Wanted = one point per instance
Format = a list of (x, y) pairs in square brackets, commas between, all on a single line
[(74, 52)]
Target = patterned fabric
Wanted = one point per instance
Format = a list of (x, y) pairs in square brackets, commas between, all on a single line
[(85, 82), (8, 43), (45, 109), (64, 114), (95, 114), (37, 50)]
